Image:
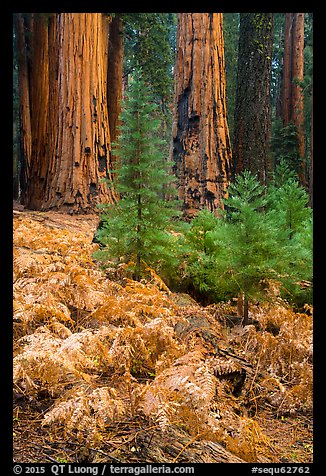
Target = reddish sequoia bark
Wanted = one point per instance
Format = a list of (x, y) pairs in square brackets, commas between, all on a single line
[(293, 72), (297, 94), (83, 141), (201, 146), (70, 126), (53, 117)]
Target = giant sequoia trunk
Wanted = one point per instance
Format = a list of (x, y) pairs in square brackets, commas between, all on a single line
[(83, 138), (69, 116), (201, 147), (293, 70), (253, 102)]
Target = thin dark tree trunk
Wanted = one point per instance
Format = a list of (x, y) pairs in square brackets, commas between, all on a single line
[(24, 103), (253, 102), (115, 68), (245, 311), (139, 240)]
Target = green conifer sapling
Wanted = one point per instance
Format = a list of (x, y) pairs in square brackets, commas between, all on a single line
[(138, 227)]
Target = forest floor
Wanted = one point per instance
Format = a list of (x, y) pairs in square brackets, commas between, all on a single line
[(110, 370)]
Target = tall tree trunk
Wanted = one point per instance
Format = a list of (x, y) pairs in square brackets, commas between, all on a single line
[(253, 103), (53, 117), (70, 126), (24, 103), (297, 110), (83, 143), (287, 69), (39, 97), (115, 66), (201, 148), (293, 73)]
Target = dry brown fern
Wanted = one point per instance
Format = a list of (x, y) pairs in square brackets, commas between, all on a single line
[(282, 352), (87, 412), (106, 352)]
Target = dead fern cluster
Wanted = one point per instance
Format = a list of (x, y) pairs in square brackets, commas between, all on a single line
[(281, 351), (86, 412), (104, 352), (48, 362)]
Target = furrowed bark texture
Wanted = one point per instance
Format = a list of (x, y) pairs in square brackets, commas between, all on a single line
[(293, 72), (201, 148), (24, 103), (83, 138), (253, 104), (39, 95), (70, 147), (287, 68)]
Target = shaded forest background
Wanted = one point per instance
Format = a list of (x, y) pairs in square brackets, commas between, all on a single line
[(149, 41)]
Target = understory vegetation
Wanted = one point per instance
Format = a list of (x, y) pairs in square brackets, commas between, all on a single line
[(97, 354), (263, 234)]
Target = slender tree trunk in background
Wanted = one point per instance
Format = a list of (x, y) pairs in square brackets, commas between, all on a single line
[(39, 100), (82, 156), (24, 103), (253, 103), (297, 109), (311, 174), (278, 108), (293, 71), (200, 148), (53, 117), (139, 241), (287, 69), (115, 65)]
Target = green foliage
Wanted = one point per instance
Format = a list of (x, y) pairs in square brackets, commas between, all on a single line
[(277, 59), (263, 235), (246, 244), (200, 260), (138, 228), (284, 145), (288, 202), (288, 209), (150, 44)]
